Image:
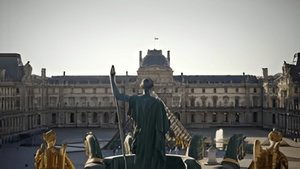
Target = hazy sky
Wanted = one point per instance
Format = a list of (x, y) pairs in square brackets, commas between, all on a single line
[(85, 37)]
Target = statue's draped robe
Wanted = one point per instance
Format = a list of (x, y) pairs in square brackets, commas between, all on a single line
[(151, 125)]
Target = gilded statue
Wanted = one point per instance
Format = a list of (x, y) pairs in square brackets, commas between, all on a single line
[(50, 157), (270, 157), (93, 152)]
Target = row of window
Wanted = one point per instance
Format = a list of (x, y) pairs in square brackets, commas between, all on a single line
[(225, 117), (76, 90), (9, 91), (237, 90), (83, 117)]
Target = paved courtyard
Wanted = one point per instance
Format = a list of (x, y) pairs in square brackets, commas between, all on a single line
[(14, 156)]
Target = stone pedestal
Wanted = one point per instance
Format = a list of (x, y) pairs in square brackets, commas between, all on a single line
[(211, 156)]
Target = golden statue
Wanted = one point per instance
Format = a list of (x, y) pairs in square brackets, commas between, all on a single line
[(50, 157), (271, 157)]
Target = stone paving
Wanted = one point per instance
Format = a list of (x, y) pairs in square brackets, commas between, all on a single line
[(14, 156)]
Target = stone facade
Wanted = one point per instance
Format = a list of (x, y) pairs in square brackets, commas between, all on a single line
[(31, 101)]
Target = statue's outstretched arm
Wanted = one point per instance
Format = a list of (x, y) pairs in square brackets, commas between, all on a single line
[(115, 90)]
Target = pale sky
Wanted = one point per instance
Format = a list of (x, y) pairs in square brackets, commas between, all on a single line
[(205, 37)]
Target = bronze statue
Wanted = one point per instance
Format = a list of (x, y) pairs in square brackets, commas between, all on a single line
[(150, 125), (271, 157), (235, 151), (93, 152), (50, 157)]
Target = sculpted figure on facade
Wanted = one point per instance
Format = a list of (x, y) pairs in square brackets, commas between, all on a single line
[(27, 71)]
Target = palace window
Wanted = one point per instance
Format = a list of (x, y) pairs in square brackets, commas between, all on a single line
[(225, 90), (72, 118), (214, 117), (53, 119), (176, 90), (254, 90), (225, 117), (215, 90), (192, 100), (254, 117), (274, 104), (38, 119), (296, 104), (236, 102), (95, 117), (203, 90), (116, 119), (192, 118), (105, 118), (274, 119), (296, 89), (236, 90), (177, 115), (215, 100), (204, 117), (192, 90), (83, 117), (237, 117)]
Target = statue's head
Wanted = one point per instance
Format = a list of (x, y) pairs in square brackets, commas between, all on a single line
[(50, 138), (275, 136), (146, 84)]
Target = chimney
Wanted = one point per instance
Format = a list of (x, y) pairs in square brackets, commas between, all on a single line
[(141, 59), (43, 73), (265, 73), (64, 73), (297, 55), (182, 79), (168, 56)]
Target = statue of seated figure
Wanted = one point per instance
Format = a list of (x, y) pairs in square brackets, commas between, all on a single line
[(271, 157), (50, 157)]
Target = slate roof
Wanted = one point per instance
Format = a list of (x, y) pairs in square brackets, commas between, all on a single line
[(155, 58), (187, 79), (217, 78), (13, 65)]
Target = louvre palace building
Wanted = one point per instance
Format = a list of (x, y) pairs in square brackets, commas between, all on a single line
[(30, 102)]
